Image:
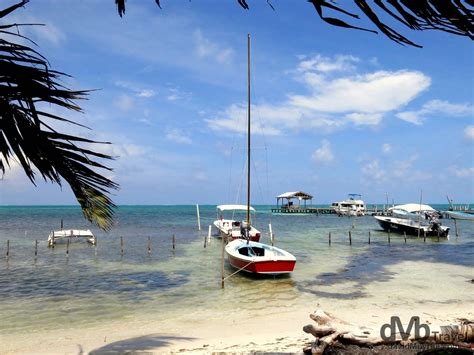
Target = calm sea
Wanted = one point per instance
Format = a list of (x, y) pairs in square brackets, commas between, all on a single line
[(98, 284)]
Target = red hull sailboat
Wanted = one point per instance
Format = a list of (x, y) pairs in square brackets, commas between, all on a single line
[(251, 256)]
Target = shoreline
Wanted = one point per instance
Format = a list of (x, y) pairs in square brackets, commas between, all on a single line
[(270, 333), (204, 331)]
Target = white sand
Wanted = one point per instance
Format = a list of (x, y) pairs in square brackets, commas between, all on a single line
[(416, 288)]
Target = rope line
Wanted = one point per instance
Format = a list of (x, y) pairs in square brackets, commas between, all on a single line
[(239, 270)]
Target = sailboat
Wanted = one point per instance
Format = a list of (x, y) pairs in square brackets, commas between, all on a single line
[(250, 256)]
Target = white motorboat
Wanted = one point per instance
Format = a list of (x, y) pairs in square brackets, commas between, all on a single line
[(353, 206), (234, 228), (410, 226)]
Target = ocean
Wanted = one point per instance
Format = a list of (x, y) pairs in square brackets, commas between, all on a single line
[(99, 285)]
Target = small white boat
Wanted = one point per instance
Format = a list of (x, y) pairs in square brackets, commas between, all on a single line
[(259, 258), (460, 215), (63, 235), (353, 206), (232, 228)]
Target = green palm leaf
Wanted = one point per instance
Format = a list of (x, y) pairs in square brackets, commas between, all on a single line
[(25, 81)]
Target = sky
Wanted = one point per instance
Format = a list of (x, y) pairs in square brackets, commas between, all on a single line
[(334, 111)]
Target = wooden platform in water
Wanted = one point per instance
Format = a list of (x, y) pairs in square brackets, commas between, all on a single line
[(318, 210)]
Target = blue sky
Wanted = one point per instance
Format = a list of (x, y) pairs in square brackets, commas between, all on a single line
[(335, 111)]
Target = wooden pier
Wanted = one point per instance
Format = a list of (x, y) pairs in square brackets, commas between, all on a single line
[(320, 210)]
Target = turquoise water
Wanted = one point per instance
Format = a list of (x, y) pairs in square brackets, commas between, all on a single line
[(95, 285)]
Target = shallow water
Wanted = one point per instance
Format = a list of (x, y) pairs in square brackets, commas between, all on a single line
[(95, 285)]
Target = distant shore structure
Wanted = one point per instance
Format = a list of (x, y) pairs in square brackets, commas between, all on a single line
[(285, 203)]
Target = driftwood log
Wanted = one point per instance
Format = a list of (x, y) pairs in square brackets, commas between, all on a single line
[(328, 330)]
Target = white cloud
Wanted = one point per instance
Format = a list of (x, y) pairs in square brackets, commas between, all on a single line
[(404, 168), (207, 49), (402, 171), (462, 172), (324, 153), (368, 119), (125, 102), (436, 107), (200, 176), (386, 148), (175, 94), (146, 93), (137, 89), (372, 171), (234, 119), (469, 132), (47, 31), (332, 102), (177, 136), (376, 92), (325, 65)]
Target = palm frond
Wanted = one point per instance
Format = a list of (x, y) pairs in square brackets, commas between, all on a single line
[(451, 16), (25, 81)]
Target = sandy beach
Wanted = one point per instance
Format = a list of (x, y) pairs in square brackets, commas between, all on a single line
[(440, 301)]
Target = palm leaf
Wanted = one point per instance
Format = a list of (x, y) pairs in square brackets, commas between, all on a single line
[(452, 16), (25, 81)]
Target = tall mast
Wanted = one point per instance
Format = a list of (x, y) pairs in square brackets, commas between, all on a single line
[(248, 130)]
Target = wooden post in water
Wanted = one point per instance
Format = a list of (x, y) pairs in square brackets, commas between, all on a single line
[(209, 231), (205, 241), (198, 217), (424, 236), (456, 227), (62, 224), (329, 238), (174, 242), (405, 236), (36, 248), (222, 262), (350, 238), (149, 246), (388, 236), (369, 237), (121, 246), (8, 248), (271, 233), (67, 246)]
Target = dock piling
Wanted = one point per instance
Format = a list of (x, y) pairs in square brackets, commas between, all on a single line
[(329, 238), (67, 246), (149, 245), (121, 246), (209, 231), (205, 241), (222, 262), (8, 248), (174, 242), (424, 236), (198, 217), (350, 238), (388, 234), (369, 237), (456, 227), (271, 233), (36, 248), (405, 236)]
